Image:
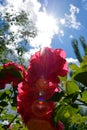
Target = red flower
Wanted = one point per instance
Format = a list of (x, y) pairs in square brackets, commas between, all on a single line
[(36, 86), (47, 63), (11, 73), (41, 81), (35, 112), (32, 98)]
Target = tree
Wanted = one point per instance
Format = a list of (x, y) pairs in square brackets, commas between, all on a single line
[(75, 46), (12, 49), (76, 50), (14, 44)]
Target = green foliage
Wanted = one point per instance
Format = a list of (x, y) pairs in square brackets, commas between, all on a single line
[(56, 97), (71, 87), (8, 110), (80, 74), (84, 96), (73, 67), (70, 101), (73, 98)]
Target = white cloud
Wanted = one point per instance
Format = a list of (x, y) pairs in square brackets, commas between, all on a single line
[(70, 20), (62, 21), (47, 28), (72, 60), (47, 25), (27, 5)]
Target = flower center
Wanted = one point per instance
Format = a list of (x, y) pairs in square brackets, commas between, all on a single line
[(40, 108)]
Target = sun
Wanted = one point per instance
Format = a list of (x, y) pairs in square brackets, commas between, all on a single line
[(47, 27), (47, 23)]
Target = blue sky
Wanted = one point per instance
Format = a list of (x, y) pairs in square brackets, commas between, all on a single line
[(57, 22), (61, 7)]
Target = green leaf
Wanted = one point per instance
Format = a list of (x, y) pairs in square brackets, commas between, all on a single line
[(5, 94), (78, 119), (3, 103), (56, 97), (18, 127), (81, 77), (74, 105), (84, 62), (71, 87), (71, 97), (1, 109), (2, 74), (64, 111), (17, 74), (62, 78), (84, 96), (8, 92), (14, 72), (1, 67), (67, 114), (13, 108), (2, 95), (73, 67)]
